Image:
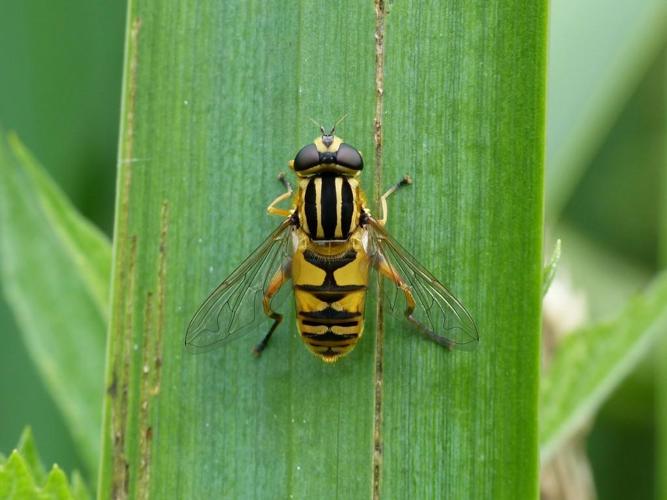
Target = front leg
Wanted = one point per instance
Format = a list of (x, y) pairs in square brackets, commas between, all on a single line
[(272, 209), (383, 200)]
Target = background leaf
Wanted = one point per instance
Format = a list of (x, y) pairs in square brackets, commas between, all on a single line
[(661, 418), (28, 451), (551, 267), (614, 213), (591, 362), (15, 479), (598, 53), (53, 267), (661, 352), (22, 476), (60, 92)]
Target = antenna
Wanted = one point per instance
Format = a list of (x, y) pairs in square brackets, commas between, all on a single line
[(333, 129), (318, 125)]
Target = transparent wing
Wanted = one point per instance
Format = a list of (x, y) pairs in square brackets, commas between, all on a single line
[(437, 313), (235, 306)]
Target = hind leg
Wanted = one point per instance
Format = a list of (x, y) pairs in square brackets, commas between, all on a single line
[(387, 270)]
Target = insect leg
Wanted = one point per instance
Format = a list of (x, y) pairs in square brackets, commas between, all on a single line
[(272, 209), (384, 268), (383, 200), (277, 281)]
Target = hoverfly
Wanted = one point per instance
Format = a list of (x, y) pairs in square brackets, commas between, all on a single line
[(326, 245)]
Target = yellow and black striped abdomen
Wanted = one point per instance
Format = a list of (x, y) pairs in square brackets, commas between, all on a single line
[(330, 294), (329, 208)]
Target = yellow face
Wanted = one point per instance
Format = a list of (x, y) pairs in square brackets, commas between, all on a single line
[(332, 147)]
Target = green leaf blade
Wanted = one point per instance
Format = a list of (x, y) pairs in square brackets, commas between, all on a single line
[(190, 207)]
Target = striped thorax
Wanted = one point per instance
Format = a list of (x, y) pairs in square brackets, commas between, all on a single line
[(330, 206)]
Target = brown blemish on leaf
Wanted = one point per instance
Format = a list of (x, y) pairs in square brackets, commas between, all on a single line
[(121, 330), (143, 475), (112, 390), (154, 312), (380, 14), (161, 290)]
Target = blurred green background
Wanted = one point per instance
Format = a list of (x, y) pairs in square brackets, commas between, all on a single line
[(60, 90), (60, 85), (617, 205)]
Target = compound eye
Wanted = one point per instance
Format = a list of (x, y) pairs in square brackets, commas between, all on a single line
[(307, 158), (349, 157)]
